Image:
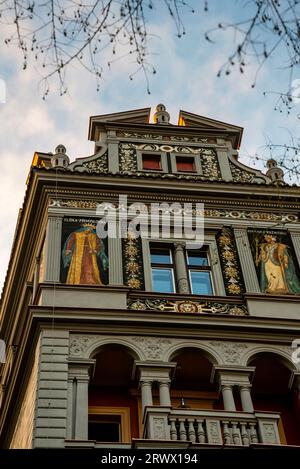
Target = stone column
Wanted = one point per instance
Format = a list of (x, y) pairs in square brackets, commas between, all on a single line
[(146, 391), (181, 270), (53, 248), (78, 409), (115, 259), (164, 393), (228, 399), (246, 398), (246, 260)]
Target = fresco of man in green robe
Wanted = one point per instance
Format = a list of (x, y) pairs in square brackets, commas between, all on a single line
[(277, 269)]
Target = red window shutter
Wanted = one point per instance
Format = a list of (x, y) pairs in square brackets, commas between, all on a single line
[(184, 163), (152, 162)]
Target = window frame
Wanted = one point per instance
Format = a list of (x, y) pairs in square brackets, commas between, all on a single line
[(197, 163), (217, 279), (122, 412), (195, 268), (164, 161), (162, 266)]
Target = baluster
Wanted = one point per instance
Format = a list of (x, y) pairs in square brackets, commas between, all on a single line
[(226, 434), (182, 430), (245, 436), (253, 433), (173, 429), (191, 431), (200, 432), (235, 433)]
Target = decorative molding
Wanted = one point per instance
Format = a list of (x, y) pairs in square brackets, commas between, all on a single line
[(175, 138), (97, 163), (233, 277), (159, 428), (231, 352), (208, 213), (208, 156), (141, 195), (80, 343), (187, 306), (153, 347)]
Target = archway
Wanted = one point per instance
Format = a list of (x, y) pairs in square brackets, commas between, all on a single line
[(113, 396), (191, 386), (271, 393)]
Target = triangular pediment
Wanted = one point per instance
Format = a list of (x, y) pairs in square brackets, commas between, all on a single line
[(134, 116), (187, 119)]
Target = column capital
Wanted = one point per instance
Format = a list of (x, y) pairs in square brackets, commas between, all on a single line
[(232, 375), (81, 369), (179, 245), (153, 371)]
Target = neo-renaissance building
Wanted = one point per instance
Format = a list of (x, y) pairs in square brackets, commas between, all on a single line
[(151, 342)]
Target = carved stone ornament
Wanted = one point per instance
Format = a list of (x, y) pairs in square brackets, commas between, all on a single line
[(231, 352), (153, 347), (187, 306)]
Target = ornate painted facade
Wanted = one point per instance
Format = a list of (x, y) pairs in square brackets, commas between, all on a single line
[(148, 341)]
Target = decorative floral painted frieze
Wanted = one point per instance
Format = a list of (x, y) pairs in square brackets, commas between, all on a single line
[(209, 213), (187, 306), (174, 138), (232, 273), (133, 262)]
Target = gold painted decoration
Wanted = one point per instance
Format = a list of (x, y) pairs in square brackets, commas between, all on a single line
[(133, 262), (232, 273), (187, 306)]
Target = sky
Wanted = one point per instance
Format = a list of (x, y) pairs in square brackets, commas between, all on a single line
[(186, 79)]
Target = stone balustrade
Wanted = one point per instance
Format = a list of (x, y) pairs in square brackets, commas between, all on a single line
[(211, 427)]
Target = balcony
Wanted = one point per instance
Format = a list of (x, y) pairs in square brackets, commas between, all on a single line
[(211, 427)]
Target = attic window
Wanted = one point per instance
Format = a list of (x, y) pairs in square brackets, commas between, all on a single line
[(152, 162), (185, 164)]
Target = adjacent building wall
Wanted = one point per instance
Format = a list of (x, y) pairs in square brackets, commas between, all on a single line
[(23, 435)]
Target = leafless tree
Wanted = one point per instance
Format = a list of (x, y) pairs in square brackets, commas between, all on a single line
[(57, 34), (93, 33)]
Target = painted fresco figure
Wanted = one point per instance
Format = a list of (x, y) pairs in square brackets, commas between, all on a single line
[(83, 252), (277, 270)]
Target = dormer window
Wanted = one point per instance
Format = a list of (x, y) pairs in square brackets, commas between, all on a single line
[(182, 163), (185, 164), (151, 162)]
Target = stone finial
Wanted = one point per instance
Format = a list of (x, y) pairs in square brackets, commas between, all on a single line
[(161, 116), (274, 172), (60, 159)]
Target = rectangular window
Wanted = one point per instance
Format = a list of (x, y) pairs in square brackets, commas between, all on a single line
[(185, 164), (199, 272), (162, 270), (151, 162), (105, 428)]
